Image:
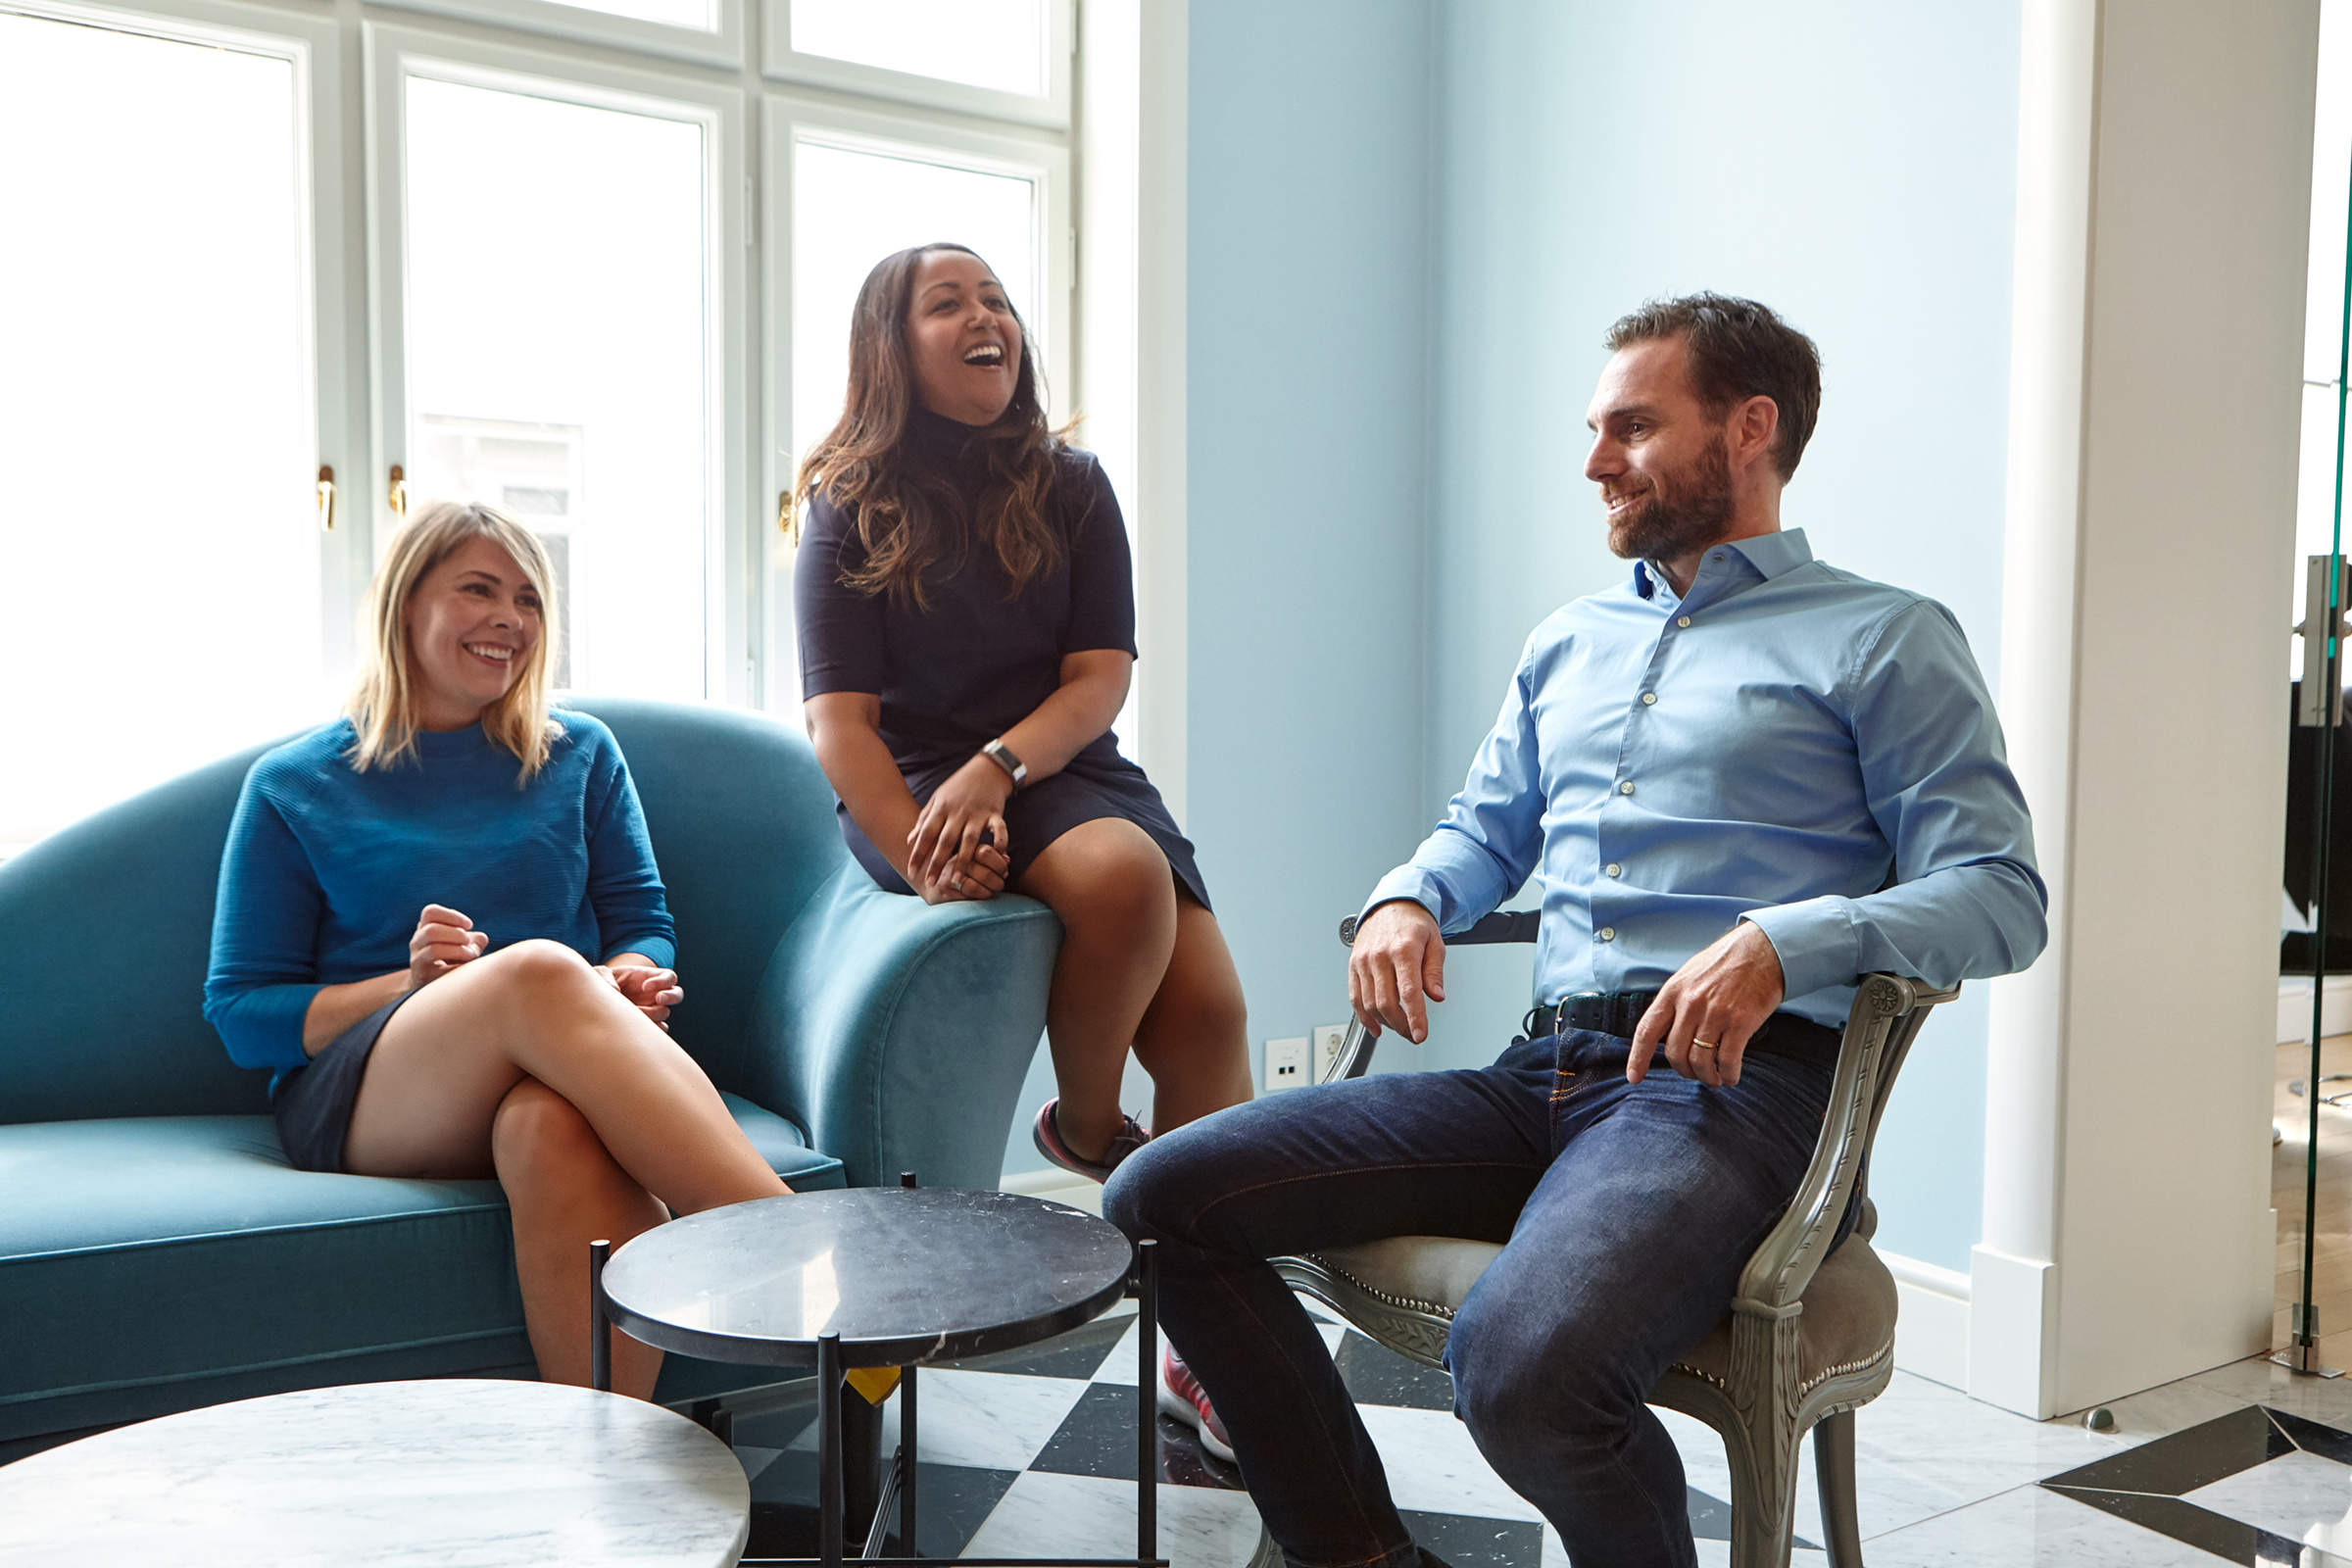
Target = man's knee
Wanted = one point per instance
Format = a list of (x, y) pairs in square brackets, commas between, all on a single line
[(1527, 1378), (1135, 1197)]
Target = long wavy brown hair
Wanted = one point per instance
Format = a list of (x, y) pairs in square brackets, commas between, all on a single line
[(906, 519)]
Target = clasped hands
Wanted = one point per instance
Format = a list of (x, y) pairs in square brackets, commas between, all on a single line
[(444, 939), (959, 847), (1719, 998)]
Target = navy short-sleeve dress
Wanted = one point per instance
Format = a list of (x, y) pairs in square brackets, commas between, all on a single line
[(979, 659)]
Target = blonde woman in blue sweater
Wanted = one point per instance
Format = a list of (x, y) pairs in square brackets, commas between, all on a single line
[(439, 919)]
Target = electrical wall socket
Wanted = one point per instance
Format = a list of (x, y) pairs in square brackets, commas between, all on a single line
[(1327, 1039), (1286, 1064)]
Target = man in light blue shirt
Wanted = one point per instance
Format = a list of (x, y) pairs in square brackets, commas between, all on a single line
[(1740, 780)]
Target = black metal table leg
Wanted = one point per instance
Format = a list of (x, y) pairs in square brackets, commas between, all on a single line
[(1147, 1388), (909, 1451), (600, 1326), (828, 1450)]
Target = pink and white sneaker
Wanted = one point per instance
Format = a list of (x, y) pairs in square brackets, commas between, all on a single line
[(1182, 1397), (1046, 1135)]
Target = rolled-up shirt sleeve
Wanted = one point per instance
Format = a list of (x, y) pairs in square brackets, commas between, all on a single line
[(1965, 900), (1492, 831)]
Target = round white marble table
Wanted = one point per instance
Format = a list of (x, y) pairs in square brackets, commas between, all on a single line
[(455, 1473)]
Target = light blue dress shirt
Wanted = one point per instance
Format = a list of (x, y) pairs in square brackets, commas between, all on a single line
[(1788, 744)]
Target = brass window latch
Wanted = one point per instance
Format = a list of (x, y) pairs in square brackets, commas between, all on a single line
[(326, 499), (396, 494)]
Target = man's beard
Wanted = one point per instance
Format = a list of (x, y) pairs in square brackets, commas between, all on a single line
[(1677, 520)]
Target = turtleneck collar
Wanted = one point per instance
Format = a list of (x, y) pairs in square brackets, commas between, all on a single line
[(941, 440)]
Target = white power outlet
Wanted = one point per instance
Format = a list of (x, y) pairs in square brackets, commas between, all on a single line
[(1329, 1037), (1286, 1064)]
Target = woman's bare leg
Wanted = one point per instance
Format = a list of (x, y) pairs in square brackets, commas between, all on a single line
[(566, 1191), (1195, 1037), (1109, 883), (447, 1059), (526, 1064)]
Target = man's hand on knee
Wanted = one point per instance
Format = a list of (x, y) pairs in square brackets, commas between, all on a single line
[(1705, 1015), (1397, 968)]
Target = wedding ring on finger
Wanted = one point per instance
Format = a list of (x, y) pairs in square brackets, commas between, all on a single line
[(1704, 1045)]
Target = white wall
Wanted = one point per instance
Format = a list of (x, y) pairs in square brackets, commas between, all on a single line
[(2164, 168)]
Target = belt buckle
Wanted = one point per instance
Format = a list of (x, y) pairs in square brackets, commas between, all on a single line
[(1562, 1008)]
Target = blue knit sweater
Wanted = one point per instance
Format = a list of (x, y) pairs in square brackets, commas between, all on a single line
[(326, 869)]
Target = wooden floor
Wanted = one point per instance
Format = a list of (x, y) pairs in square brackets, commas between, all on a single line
[(2331, 1282)]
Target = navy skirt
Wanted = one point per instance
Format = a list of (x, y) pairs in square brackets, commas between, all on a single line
[(1097, 783), (312, 1104)]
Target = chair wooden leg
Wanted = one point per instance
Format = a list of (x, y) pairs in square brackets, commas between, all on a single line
[(1834, 1472)]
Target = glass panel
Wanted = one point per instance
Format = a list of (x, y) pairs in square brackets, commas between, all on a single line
[(556, 325), (700, 15), (851, 208), (156, 503), (985, 43)]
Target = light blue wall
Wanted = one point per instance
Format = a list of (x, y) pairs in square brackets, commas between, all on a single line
[(1410, 223), (1308, 423), (1850, 164)]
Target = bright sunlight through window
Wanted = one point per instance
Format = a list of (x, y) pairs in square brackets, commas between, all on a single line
[(162, 592)]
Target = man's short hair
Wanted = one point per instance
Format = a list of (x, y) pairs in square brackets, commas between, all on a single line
[(1738, 350)]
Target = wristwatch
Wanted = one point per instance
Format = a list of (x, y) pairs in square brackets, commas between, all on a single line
[(1001, 754)]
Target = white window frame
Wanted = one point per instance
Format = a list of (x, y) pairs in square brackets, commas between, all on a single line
[(327, 267), (790, 119), (720, 45), (1051, 110), (394, 53)]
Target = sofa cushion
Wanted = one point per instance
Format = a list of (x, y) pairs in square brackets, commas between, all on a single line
[(139, 1253)]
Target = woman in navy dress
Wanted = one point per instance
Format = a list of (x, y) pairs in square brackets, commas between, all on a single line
[(966, 622)]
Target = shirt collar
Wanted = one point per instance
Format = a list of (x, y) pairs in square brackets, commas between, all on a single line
[(1770, 553)]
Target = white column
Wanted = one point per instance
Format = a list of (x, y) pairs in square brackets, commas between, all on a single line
[(2164, 167), (1162, 552)]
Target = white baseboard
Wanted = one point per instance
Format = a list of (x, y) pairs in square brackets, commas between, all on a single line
[(2294, 1007), (1931, 1334), (1061, 1186)]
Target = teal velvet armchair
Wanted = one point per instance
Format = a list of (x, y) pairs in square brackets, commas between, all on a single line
[(156, 1252)]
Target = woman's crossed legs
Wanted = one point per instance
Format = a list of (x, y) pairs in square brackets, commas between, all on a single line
[(528, 1064)]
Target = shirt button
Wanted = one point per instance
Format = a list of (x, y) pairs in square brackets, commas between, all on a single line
[(1681, 621), (1607, 933), (1625, 787), (1615, 870), (1648, 698)]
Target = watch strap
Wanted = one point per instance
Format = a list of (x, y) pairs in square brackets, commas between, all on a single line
[(1001, 754)]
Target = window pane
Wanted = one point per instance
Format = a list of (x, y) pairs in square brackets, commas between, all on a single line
[(556, 264), (698, 14), (850, 209), (985, 43), (160, 604)]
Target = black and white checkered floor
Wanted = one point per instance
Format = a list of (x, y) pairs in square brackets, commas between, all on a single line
[(1033, 1452)]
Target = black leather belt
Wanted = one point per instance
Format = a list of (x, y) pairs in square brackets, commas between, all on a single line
[(1619, 1013)]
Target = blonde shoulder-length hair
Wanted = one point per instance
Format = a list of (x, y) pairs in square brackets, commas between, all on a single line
[(383, 701)]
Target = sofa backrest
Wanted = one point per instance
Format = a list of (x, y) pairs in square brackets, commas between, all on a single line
[(743, 828), (107, 924)]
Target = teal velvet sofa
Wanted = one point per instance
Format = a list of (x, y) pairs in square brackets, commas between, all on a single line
[(158, 1254)]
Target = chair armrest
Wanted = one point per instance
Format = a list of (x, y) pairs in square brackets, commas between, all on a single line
[(1886, 1017), (897, 1032)]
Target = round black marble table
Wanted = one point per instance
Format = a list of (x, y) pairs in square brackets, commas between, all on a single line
[(879, 1277), (903, 1275)]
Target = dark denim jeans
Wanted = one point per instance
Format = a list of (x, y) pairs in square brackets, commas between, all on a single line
[(1629, 1212)]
